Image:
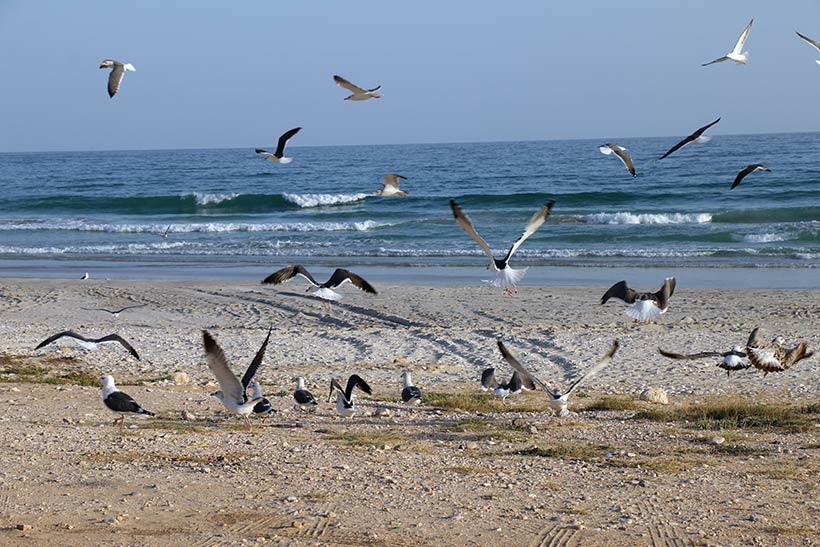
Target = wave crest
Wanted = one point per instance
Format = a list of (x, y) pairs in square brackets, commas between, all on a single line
[(202, 198), (317, 200), (648, 218)]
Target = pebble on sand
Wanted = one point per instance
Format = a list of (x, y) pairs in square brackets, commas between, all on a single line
[(655, 395)]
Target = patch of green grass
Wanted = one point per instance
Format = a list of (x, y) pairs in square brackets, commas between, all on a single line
[(484, 402), (467, 469), (612, 402), (737, 449), (566, 451)]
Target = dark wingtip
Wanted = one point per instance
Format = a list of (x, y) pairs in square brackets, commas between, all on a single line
[(208, 341)]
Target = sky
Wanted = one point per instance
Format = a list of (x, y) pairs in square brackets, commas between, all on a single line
[(223, 75)]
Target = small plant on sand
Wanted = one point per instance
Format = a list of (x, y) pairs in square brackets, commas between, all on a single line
[(566, 451), (611, 402), (484, 402)]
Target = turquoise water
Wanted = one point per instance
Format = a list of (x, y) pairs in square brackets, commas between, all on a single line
[(230, 209)]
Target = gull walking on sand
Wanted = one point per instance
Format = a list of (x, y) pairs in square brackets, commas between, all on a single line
[(279, 155), (359, 94), (736, 54), (731, 360), (696, 137), (303, 397), (90, 343), (390, 186), (115, 76), (118, 402), (620, 151), (410, 394), (645, 306), (345, 405)]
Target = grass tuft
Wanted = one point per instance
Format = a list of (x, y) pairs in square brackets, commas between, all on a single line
[(612, 402), (484, 402), (566, 451)]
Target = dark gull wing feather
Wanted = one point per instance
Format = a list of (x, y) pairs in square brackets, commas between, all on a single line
[(289, 272), (467, 225), (218, 363), (690, 356), (621, 291), (488, 380), (122, 402), (114, 78), (349, 86), (257, 360), (356, 381), (118, 338), (68, 333), (341, 275), (690, 138), (283, 140), (604, 361), (529, 380)]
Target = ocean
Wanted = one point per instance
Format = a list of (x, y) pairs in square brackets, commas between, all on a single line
[(231, 214)]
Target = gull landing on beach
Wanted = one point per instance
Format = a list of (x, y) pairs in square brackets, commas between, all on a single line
[(731, 360), (558, 400), (279, 155), (736, 54), (410, 394), (302, 396), (620, 151), (506, 277), (115, 76), (344, 398), (118, 402), (811, 42), (774, 356), (390, 186), (322, 290), (504, 389), (748, 170), (696, 137), (91, 343), (359, 94), (646, 306)]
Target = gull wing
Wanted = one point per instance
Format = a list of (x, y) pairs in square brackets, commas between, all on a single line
[(218, 363), (115, 78), (128, 308), (691, 137), (665, 293), (392, 180), (289, 272), (621, 152), (746, 170), (718, 60), (534, 223), (791, 356), (690, 356), (809, 41), (356, 381), (349, 86), (604, 361), (754, 340), (257, 361), (742, 40), (488, 380), (341, 275), (68, 333), (621, 291), (283, 140), (335, 385), (122, 402), (118, 338), (528, 379), (467, 225)]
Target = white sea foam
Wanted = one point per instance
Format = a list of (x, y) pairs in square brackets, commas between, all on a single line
[(212, 199), (195, 227), (316, 200), (763, 238), (647, 218)]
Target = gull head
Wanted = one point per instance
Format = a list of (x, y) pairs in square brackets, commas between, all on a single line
[(737, 349), (219, 395), (107, 381), (108, 63), (780, 341)]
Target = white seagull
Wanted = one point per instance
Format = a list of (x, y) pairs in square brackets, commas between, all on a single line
[(302, 396), (390, 186), (279, 155), (90, 343), (621, 152), (410, 394), (359, 94), (558, 400), (115, 76), (736, 54), (344, 398), (810, 42), (731, 360), (322, 290), (645, 306), (118, 402), (506, 276)]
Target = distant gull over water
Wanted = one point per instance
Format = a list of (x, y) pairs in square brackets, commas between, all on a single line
[(359, 94), (390, 186), (645, 306), (115, 313), (115, 76), (621, 152), (736, 54), (90, 343), (233, 393), (302, 396), (696, 137), (165, 233), (506, 277), (344, 398), (731, 360), (279, 155), (774, 356), (322, 290), (747, 170), (811, 43), (410, 394), (118, 402)]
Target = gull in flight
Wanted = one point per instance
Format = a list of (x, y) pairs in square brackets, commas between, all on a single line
[(410, 394), (774, 356), (279, 155), (621, 152), (90, 343), (731, 360), (344, 398), (747, 170), (115, 313), (119, 402), (115, 76), (645, 306), (390, 186), (736, 54), (810, 42), (558, 400), (359, 94), (322, 290), (164, 234), (504, 389), (506, 277), (696, 137)]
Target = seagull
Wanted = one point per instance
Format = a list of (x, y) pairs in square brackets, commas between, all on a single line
[(409, 394), (732, 360), (359, 94), (696, 137), (85, 276), (322, 290), (774, 356), (303, 397), (279, 155), (558, 400), (644, 306), (736, 54), (119, 402), (233, 393), (164, 234), (505, 275), (90, 343), (344, 399), (117, 72), (390, 186), (115, 313), (746, 170), (504, 389), (263, 406), (621, 152), (810, 42)]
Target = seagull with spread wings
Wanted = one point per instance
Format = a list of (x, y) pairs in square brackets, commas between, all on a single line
[(774, 356), (390, 186), (513, 386), (736, 54), (279, 155), (620, 151), (696, 137), (345, 405), (811, 42), (91, 343), (115, 76), (642, 306), (359, 94), (748, 170), (115, 313), (322, 290), (731, 360)]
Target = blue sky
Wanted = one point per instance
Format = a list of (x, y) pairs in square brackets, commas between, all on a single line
[(217, 74)]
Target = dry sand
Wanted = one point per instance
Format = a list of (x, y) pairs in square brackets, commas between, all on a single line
[(418, 476)]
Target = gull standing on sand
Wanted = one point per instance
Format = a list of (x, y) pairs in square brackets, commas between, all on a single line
[(410, 394), (115, 313), (115, 76), (747, 170), (279, 155), (344, 398), (119, 402), (810, 42), (302, 396), (558, 400), (731, 362), (90, 343), (506, 276), (359, 94), (322, 290), (85, 276), (774, 356), (620, 151), (645, 306), (513, 386), (696, 137), (390, 186), (736, 54)]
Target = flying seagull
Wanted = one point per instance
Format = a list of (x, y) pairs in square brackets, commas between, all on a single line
[(233, 393), (810, 42), (302, 396), (558, 400), (390, 186), (115, 76), (90, 343), (731, 360), (696, 137), (164, 234), (115, 313), (410, 394), (279, 155), (746, 170), (774, 356), (119, 402), (505, 276), (621, 152), (322, 290), (359, 94), (344, 398), (644, 306), (736, 54), (504, 389)]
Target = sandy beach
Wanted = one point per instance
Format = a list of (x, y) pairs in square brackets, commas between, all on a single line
[(435, 475)]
